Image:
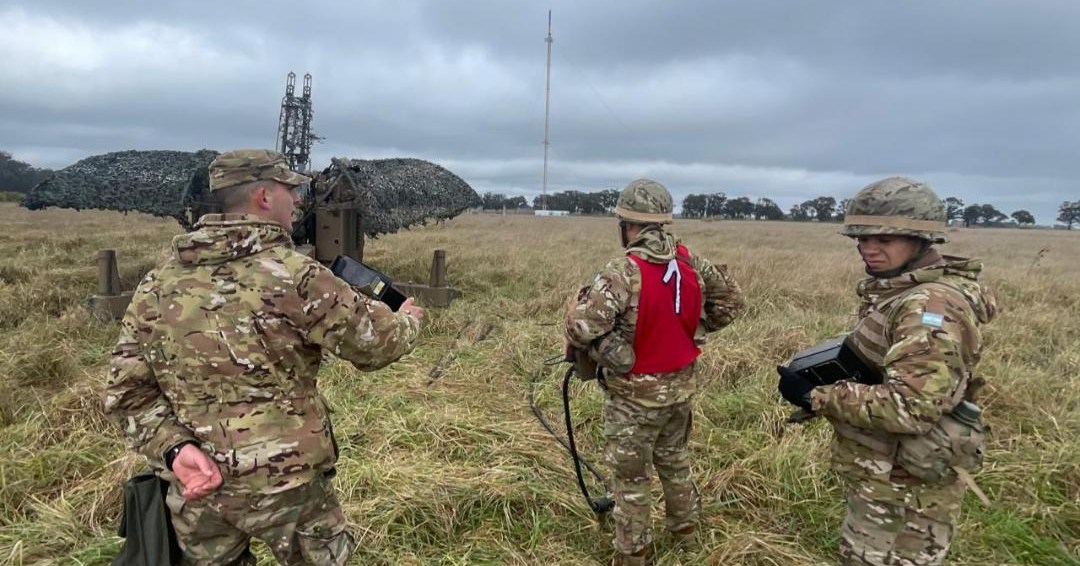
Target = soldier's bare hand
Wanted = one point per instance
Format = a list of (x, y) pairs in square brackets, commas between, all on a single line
[(409, 308), (198, 474)]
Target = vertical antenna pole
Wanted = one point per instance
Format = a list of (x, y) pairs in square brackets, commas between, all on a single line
[(294, 124), (547, 103)]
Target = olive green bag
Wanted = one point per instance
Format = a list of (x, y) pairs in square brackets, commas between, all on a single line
[(149, 538)]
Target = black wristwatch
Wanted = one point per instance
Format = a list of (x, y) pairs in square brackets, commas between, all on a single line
[(171, 454)]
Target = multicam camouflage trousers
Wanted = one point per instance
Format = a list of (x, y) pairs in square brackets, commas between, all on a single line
[(304, 525), (636, 436), (897, 524)]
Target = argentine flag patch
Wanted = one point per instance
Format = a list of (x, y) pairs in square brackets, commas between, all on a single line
[(932, 319)]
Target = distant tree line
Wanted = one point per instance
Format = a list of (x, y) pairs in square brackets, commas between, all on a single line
[(578, 202), (719, 205), (575, 202), (494, 201), (17, 176), (822, 209), (826, 209)]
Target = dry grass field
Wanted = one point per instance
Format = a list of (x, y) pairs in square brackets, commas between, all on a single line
[(442, 462)]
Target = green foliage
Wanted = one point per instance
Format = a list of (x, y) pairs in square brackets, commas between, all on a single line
[(738, 208), (841, 210), (18, 176), (704, 205), (720, 206), (972, 214), (766, 209), (1069, 213), (954, 208), (802, 211), (982, 214), (577, 202), (1023, 217), (496, 201), (10, 196), (824, 208), (991, 214)]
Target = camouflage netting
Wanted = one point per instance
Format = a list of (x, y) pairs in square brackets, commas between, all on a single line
[(390, 193), (154, 182), (396, 193)]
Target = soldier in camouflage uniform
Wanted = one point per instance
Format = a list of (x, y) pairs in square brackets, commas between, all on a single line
[(213, 379), (642, 320), (919, 325)]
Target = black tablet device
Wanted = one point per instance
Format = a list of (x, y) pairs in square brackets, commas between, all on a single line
[(832, 361), (367, 280)]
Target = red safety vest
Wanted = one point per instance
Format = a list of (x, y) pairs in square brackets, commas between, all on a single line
[(668, 314)]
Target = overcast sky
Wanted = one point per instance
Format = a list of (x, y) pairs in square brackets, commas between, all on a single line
[(787, 100)]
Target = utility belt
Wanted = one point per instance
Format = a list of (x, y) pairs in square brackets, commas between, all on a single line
[(953, 448)]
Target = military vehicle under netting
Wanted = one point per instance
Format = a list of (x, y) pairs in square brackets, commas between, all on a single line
[(350, 199), (346, 201)]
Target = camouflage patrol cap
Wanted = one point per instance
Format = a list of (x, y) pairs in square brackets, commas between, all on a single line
[(644, 201), (896, 205), (248, 165)]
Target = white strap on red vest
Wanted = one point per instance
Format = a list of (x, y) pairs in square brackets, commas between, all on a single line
[(673, 269)]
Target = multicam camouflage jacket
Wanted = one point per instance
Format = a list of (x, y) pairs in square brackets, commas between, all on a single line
[(602, 317), (222, 343), (921, 329)]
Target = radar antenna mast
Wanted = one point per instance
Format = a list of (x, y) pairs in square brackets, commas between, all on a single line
[(294, 137)]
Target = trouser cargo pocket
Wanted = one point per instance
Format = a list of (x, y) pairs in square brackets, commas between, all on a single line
[(326, 545)]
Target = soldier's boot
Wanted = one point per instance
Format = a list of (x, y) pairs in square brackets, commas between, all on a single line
[(686, 539), (642, 557)]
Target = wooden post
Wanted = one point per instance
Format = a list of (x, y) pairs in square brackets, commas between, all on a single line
[(438, 269), (108, 273)]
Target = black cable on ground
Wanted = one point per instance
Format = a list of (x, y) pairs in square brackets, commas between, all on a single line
[(599, 505)]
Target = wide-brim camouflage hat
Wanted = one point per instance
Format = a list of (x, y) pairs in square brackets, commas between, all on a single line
[(896, 206), (249, 165)]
